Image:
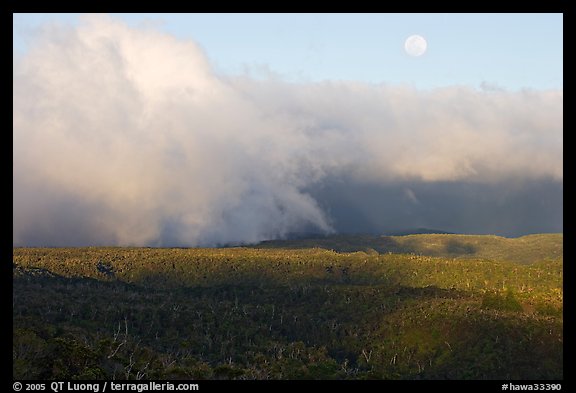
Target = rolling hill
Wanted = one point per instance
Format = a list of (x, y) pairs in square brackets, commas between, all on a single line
[(525, 249), (482, 308)]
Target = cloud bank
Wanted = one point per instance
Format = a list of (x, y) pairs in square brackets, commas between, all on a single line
[(127, 136)]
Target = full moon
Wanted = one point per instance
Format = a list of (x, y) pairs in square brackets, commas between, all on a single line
[(415, 45)]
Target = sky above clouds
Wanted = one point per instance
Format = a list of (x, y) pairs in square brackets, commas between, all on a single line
[(203, 130), (511, 51)]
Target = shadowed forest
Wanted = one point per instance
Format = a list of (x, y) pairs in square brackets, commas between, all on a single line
[(342, 307)]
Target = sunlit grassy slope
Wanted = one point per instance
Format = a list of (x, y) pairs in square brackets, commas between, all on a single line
[(485, 309), (525, 249)]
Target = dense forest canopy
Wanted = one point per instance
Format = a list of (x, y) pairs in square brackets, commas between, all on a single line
[(475, 309)]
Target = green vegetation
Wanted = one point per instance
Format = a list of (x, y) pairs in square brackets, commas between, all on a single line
[(525, 249), (284, 313)]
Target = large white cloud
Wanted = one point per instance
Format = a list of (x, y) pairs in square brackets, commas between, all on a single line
[(126, 136)]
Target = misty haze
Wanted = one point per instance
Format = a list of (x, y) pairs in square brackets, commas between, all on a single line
[(324, 196), (113, 147)]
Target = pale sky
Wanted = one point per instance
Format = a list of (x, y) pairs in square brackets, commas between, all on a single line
[(204, 130), (510, 51)]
